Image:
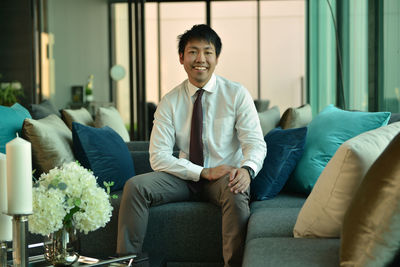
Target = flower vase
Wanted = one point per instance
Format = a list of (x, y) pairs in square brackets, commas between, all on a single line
[(61, 247)]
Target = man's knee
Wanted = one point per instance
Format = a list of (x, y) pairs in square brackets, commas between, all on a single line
[(137, 185)]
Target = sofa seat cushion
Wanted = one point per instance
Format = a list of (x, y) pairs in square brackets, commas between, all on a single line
[(179, 231), (287, 251), (175, 233), (283, 200), (271, 222)]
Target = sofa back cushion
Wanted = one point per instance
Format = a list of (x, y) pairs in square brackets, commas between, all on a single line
[(103, 151)]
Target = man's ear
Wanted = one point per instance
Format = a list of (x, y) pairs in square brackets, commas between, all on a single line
[(181, 58)]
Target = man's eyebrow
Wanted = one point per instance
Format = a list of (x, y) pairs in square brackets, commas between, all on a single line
[(208, 47)]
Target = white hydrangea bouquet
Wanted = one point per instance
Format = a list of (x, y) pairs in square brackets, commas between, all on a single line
[(68, 196)]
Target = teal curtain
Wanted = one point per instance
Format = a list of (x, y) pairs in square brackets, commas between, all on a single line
[(354, 46), (390, 64), (321, 55), (359, 70)]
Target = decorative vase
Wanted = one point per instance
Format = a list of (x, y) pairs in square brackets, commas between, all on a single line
[(61, 247), (89, 98)]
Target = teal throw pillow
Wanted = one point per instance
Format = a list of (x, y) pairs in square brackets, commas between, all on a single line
[(285, 148), (103, 151), (326, 132), (11, 120)]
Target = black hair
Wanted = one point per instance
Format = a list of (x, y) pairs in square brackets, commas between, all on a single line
[(200, 32)]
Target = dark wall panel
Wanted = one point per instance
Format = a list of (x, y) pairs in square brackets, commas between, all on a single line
[(16, 44)]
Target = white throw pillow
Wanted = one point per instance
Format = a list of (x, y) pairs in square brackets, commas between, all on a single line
[(110, 117), (323, 212)]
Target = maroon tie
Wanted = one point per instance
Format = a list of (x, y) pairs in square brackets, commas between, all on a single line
[(196, 143)]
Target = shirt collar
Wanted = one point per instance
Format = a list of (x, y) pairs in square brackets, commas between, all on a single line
[(209, 87)]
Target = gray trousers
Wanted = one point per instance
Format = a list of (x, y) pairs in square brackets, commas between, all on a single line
[(155, 188)]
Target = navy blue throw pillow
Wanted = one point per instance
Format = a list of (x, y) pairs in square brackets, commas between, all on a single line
[(104, 152), (284, 149)]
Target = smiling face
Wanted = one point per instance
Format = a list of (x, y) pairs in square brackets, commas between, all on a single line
[(199, 60)]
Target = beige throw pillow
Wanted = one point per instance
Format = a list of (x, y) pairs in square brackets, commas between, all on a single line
[(296, 117), (371, 226), (51, 142), (269, 119), (322, 213), (110, 117), (81, 115)]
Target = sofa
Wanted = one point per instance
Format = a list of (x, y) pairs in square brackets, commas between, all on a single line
[(177, 236)]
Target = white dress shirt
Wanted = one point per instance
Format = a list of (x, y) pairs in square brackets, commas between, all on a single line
[(231, 129)]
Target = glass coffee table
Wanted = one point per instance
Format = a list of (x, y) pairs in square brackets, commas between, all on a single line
[(140, 260), (39, 261)]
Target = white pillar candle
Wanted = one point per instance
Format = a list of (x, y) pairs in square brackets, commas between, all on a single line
[(19, 176), (5, 220)]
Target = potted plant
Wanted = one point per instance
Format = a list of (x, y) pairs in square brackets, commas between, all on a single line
[(10, 92)]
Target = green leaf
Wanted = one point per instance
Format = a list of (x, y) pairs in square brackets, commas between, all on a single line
[(114, 196), (77, 202), (68, 218)]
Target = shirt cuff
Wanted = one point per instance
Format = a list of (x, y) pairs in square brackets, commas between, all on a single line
[(194, 172)]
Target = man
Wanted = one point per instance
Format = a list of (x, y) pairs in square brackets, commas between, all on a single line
[(215, 125)]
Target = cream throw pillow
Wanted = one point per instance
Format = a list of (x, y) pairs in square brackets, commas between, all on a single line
[(81, 115), (322, 213), (371, 226), (110, 117), (51, 142)]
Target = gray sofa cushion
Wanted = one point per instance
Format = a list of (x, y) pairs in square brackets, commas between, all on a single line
[(289, 252), (283, 200), (272, 222)]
